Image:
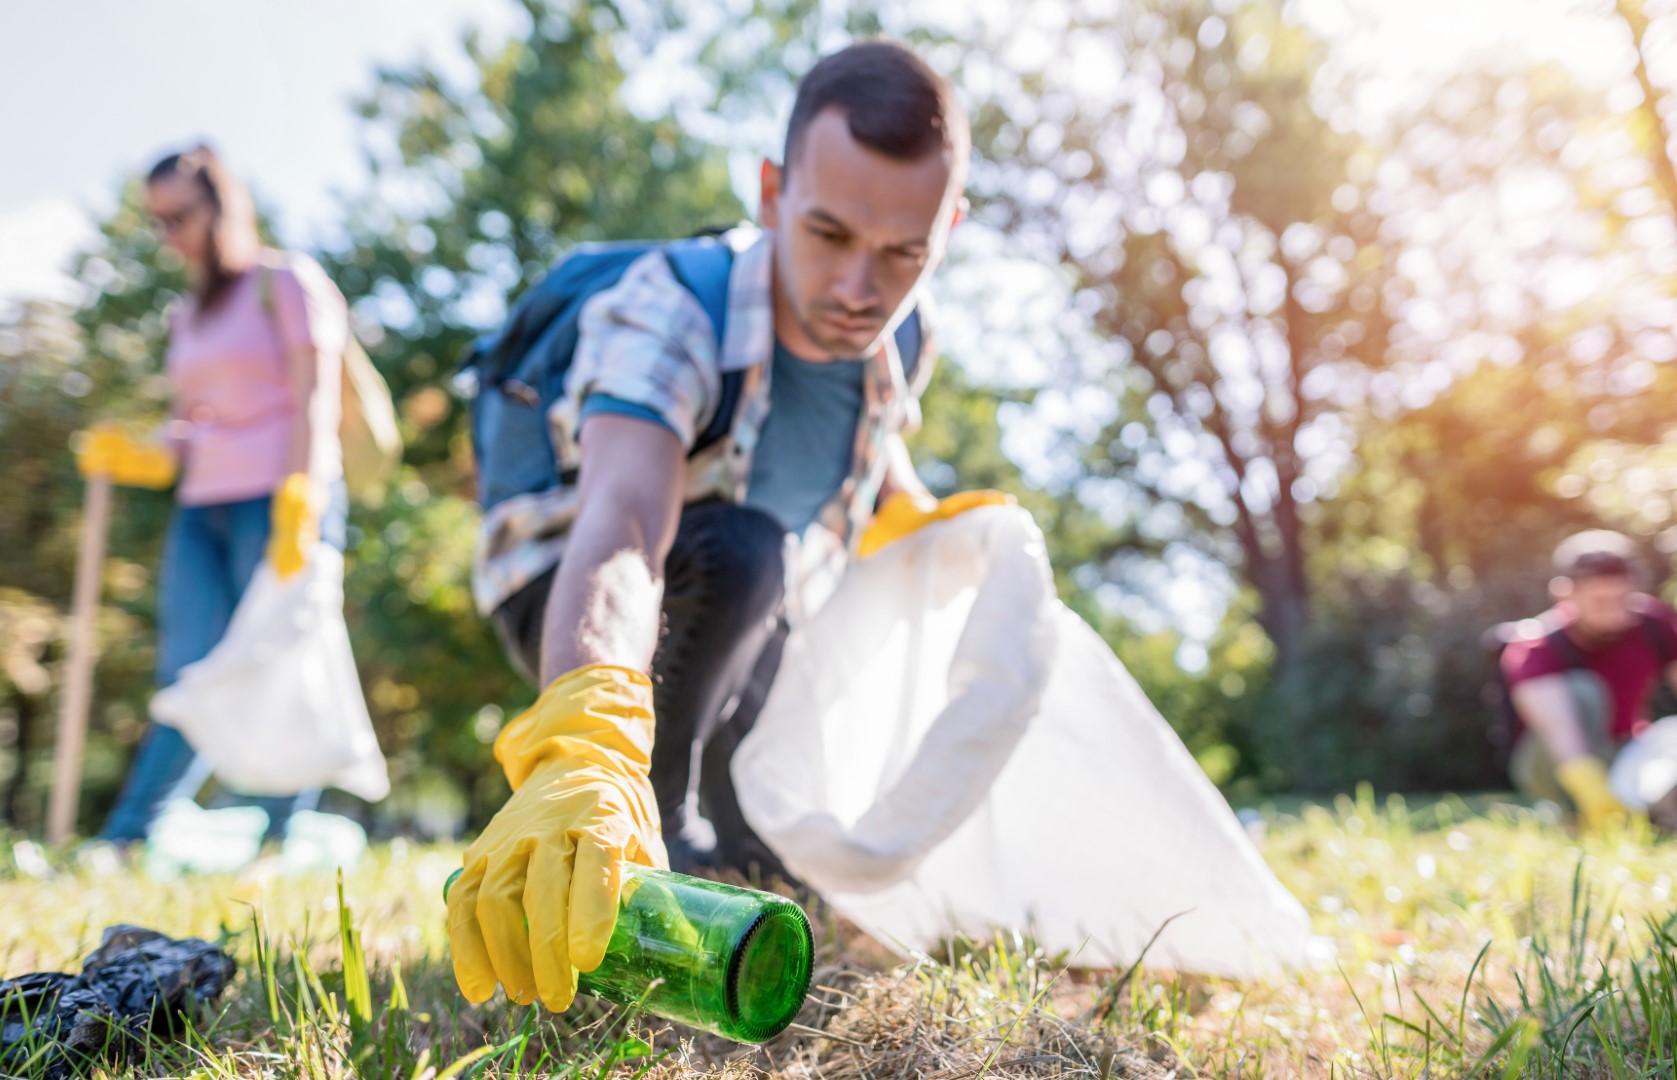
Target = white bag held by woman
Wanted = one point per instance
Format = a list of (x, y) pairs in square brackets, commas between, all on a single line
[(276, 706), (948, 749)]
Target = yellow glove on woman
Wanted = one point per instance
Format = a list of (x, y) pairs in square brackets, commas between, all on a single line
[(295, 528), (903, 514), (579, 762), (106, 450), (1585, 780)]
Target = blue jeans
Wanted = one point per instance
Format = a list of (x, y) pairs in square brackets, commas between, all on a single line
[(209, 556)]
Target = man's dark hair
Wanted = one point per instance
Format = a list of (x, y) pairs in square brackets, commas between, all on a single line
[(1596, 553), (893, 103)]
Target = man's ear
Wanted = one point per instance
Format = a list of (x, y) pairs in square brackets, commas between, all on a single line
[(1560, 587), (768, 207), (956, 216)]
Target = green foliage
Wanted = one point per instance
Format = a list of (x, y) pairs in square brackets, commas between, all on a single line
[(477, 190), (1223, 291), (1390, 686), (59, 371), (1217, 710)]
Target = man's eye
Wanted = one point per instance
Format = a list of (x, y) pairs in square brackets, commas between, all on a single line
[(828, 235)]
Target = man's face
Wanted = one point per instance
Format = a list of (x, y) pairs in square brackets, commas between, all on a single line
[(854, 232), (1603, 605)]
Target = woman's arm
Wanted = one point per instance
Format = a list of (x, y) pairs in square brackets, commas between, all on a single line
[(303, 365)]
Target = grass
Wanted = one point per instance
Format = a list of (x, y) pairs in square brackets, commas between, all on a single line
[(1453, 940)]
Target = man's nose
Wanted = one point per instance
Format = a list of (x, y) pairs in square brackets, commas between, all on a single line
[(855, 286)]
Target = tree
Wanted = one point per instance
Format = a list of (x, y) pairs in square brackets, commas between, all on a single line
[(476, 191), (1227, 293)]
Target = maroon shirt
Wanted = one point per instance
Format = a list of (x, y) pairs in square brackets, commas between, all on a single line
[(1629, 665)]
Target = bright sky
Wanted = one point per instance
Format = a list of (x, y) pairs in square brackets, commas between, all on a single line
[(93, 90)]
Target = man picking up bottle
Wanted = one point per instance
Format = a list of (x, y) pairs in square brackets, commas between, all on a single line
[(648, 586)]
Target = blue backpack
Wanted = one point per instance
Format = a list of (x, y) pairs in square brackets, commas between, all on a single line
[(520, 369)]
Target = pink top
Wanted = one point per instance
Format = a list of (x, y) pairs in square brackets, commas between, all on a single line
[(232, 391)]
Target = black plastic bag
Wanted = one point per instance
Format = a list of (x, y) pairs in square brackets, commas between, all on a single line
[(138, 981)]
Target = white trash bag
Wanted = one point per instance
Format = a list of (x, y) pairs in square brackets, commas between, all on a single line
[(276, 706), (948, 749), (1645, 771)]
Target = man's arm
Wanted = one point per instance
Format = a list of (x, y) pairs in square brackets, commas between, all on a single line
[(1546, 705), (604, 608)]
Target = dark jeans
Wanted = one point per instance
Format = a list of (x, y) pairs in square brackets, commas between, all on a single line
[(210, 553), (723, 630)]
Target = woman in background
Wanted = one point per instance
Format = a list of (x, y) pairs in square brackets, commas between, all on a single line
[(254, 366)]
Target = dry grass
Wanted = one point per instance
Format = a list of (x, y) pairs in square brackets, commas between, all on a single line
[(1452, 942)]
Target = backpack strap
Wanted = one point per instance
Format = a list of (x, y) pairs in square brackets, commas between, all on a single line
[(704, 266), (270, 305)]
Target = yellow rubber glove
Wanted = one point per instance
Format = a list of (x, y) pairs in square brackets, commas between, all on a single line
[(295, 527), (903, 514), (1585, 780), (579, 762), (107, 450)]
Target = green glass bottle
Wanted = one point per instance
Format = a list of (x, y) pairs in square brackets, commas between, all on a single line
[(731, 961)]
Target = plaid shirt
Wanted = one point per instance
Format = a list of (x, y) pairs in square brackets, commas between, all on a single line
[(647, 340)]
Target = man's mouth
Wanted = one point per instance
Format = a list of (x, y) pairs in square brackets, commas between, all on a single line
[(851, 325)]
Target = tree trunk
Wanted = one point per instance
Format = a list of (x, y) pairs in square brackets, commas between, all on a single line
[(1665, 173), (19, 815), (1284, 612)]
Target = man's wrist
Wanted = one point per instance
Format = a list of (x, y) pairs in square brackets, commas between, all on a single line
[(593, 709)]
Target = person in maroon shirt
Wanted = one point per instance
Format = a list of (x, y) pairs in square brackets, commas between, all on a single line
[(1581, 675)]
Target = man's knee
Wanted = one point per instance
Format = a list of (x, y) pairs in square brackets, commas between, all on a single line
[(729, 558), (727, 561)]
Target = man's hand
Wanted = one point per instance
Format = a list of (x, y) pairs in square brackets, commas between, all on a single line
[(903, 514), (1585, 780), (538, 899), (106, 450)]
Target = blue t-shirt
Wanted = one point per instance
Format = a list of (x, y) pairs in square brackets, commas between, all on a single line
[(804, 450)]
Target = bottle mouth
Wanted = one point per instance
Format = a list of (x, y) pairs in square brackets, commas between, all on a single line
[(768, 975)]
